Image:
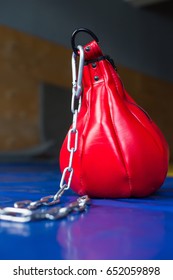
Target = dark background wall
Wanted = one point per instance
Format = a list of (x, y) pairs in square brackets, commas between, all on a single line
[(35, 54), (141, 39)]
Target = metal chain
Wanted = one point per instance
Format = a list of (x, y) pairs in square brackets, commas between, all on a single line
[(23, 215), (72, 138), (23, 211)]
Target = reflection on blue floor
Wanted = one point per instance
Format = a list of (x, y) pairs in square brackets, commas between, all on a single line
[(110, 229)]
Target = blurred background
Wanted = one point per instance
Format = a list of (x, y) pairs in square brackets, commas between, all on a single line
[(35, 65)]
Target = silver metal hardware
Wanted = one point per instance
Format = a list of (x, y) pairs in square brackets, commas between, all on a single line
[(23, 215), (94, 64), (72, 140), (26, 210), (96, 78), (87, 48), (77, 77), (15, 214), (44, 201)]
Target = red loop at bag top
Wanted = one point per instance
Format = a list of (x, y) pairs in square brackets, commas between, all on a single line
[(121, 152)]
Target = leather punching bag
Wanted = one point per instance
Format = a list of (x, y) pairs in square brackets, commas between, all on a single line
[(121, 152)]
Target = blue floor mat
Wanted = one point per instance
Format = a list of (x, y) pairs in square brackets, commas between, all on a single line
[(109, 229)]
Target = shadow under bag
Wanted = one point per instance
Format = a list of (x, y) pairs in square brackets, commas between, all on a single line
[(121, 152)]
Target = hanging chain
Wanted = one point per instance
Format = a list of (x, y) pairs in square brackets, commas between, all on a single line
[(72, 138), (24, 211)]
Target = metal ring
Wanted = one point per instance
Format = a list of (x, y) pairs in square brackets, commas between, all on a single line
[(74, 36)]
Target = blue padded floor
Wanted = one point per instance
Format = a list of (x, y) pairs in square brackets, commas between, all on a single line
[(110, 229)]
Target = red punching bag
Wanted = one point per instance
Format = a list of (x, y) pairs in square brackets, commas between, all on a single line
[(121, 152)]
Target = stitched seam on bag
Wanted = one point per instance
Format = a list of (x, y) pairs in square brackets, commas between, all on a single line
[(122, 154), (150, 122), (149, 119), (116, 134), (147, 129), (151, 137)]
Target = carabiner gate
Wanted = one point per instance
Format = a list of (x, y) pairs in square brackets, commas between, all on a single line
[(77, 77)]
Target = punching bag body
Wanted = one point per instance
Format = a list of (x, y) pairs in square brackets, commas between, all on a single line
[(121, 152)]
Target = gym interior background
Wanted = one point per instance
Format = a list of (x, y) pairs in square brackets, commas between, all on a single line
[(35, 66)]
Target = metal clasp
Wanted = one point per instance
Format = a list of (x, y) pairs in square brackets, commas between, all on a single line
[(77, 77)]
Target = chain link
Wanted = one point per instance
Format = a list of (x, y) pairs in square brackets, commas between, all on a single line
[(24, 211)]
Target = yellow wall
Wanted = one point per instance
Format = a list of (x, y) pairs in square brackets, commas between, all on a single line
[(25, 62)]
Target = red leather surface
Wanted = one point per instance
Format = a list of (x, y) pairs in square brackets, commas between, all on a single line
[(121, 152)]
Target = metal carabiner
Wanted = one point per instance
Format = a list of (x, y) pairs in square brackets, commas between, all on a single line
[(77, 77)]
